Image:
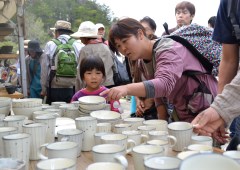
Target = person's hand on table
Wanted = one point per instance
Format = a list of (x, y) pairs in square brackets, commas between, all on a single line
[(209, 123)]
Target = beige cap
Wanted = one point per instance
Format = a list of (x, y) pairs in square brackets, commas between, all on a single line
[(26, 43), (63, 25)]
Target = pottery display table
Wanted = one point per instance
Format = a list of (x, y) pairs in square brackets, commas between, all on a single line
[(86, 158), (16, 95)]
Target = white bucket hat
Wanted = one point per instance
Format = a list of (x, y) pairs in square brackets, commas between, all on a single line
[(100, 25), (86, 29)]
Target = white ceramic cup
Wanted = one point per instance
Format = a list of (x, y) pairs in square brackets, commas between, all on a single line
[(73, 135), (38, 132), (57, 104), (104, 127), (2, 116), (17, 146), (63, 108), (11, 164), (183, 155), (161, 163), (72, 112), (43, 112), (4, 131), (109, 153), (105, 166), (162, 135), (145, 129), (97, 137), (209, 162), (59, 150), (50, 121), (167, 145), (160, 125), (119, 139), (136, 136), (119, 128), (15, 121), (135, 121), (182, 131), (88, 125), (204, 140), (200, 148), (141, 151), (233, 154), (57, 164)]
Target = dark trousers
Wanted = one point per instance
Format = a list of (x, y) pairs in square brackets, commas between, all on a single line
[(59, 95)]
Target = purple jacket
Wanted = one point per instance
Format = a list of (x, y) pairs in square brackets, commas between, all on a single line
[(172, 59)]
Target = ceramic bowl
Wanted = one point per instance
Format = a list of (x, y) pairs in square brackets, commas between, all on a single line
[(92, 103), (105, 115), (92, 100), (92, 107), (209, 162), (5, 101), (11, 163), (42, 112), (183, 155), (76, 103), (11, 89), (26, 103), (57, 111), (5, 110), (26, 111), (85, 110), (57, 104), (47, 106)]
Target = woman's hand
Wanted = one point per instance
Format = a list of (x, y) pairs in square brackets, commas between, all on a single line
[(115, 93)]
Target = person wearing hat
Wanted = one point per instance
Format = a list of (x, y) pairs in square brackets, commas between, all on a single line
[(88, 34), (62, 30), (33, 69), (101, 29), (101, 32)]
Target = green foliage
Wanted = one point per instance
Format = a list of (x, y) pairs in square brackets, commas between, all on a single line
[(34, 28), (74, 11)]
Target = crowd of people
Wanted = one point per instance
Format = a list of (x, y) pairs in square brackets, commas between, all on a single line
[(157, 70)]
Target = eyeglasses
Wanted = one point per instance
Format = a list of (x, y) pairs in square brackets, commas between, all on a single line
[(178, 12)]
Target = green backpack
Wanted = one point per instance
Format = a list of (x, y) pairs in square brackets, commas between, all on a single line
[(65, 63)]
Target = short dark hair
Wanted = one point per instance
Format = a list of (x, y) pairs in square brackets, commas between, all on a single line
[(89, 63), (123, 28), (150, 22), (185, 4), (212, 21)]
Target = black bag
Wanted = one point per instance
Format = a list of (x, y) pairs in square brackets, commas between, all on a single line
[(120, 74)]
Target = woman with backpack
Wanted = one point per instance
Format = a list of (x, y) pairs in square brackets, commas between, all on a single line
[(171, 60)]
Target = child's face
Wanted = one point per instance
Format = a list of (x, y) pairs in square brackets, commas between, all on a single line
[(93, 79)]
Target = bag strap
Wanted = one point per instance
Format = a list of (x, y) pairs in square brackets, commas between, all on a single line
[(71, 41), (190, 73), (204, 61), (232, 11), (165, 26)]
